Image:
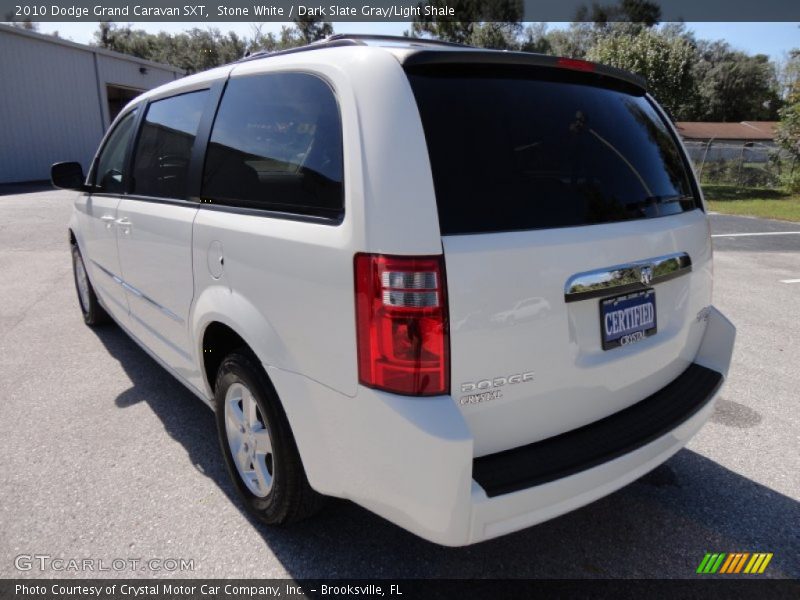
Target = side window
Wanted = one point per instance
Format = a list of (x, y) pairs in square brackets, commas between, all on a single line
[(164, 149), (277, 145), (111, 162)]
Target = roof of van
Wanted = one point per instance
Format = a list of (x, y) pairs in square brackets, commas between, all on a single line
[(410, 52), (423, 51)]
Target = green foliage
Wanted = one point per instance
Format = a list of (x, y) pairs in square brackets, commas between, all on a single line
[(573, 42), (535, 39), (788, 134), (289, 37), (311, 29), (640, 12), (194, 50), (788, 73), (487, 23), (664, 60), (732, 86), (754, 175), (200, 49), (791, 181), (696, 80), (26, 24), (728, 192), (497, 24), (755, 202)]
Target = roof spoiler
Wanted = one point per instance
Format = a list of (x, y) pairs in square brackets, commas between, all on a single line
[(428, 51), (426, 57)]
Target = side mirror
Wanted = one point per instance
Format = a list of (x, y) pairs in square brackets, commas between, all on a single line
[(68, 176)]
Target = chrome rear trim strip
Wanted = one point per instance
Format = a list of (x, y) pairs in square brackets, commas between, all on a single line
[(107, 272), (636, 275), (138, 293)]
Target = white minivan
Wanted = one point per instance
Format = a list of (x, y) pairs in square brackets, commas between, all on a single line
[(468, 290)]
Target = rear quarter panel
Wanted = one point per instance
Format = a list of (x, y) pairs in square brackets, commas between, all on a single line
[(287, 285)]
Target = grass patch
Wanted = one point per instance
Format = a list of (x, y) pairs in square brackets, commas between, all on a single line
[(766, 203), (734, 192)]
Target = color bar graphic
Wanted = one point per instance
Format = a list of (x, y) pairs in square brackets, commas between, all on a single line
[(711, 562), (758, 563), (734, 562)]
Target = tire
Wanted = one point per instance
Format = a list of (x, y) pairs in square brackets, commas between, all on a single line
[(274, 486), (93, 313)]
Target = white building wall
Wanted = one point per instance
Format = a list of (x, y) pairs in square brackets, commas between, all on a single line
[(53, 103), (117, 69)]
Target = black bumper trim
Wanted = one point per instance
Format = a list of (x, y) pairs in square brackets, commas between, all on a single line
[(599, 442)]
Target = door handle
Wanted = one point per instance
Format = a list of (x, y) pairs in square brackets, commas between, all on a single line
[(125, 224), (108, 220)]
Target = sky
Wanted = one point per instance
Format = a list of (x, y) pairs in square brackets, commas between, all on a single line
[(773, 39)]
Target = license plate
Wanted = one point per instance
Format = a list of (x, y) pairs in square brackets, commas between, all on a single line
[(628, 318)]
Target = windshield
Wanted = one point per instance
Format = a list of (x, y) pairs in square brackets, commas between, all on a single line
[(513, 152)]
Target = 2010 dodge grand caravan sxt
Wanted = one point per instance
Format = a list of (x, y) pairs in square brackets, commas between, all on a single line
[(468, 290)]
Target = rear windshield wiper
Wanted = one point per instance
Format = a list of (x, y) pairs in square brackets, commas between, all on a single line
[(667, 199)]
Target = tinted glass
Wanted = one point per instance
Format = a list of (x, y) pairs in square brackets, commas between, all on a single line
[(277, 145), (164, 149), (511, 152), (111, 163)]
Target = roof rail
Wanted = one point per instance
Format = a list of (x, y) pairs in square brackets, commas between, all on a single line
[(312, 46), (374, 37), (352, 39)]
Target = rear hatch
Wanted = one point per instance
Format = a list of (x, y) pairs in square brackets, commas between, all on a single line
[(576, 249)]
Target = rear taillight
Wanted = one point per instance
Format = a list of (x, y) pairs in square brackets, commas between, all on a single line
[(401, 322)]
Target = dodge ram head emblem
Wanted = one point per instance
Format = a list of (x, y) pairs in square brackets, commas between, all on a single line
[(646, 275)]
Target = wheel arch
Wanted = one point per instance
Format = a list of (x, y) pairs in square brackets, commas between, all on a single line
[(224, 321), (218, 341)]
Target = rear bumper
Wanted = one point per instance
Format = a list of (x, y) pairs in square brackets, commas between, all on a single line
[(410, 460), (600, 442), (492, 517)]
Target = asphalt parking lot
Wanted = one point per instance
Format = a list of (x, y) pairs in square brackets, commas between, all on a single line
[(105, 456)]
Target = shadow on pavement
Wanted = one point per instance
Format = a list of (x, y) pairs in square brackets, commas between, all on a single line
[(659, 526), (28, 187)]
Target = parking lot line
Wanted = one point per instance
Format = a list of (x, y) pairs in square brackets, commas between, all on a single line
[(757, 233), (790, 280)]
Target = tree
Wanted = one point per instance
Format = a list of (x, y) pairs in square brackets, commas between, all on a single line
[(487, 23), (193, 50), (496, 35), (733, 86), (664, 60), (311, 29), (640, 12), (535, 39), (269, 42), (24, 24), (304, 31), (788, 133), (200, 49), (788, 72), (573, 42), (628, 17)]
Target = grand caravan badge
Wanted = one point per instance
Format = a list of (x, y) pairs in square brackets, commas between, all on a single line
[(489, 389)]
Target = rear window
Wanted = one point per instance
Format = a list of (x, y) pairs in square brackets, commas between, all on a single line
[(512, 152)]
